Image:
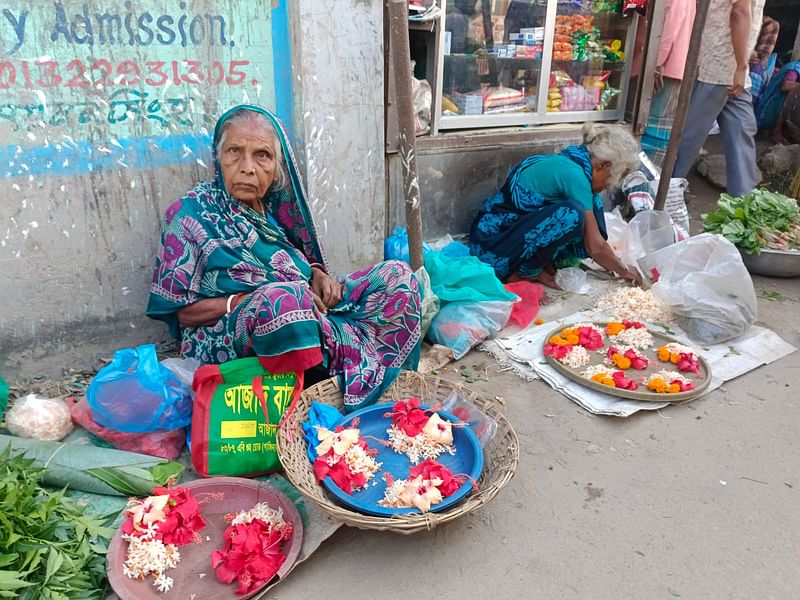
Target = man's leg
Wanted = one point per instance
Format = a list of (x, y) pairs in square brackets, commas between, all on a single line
[(706, 103), (737, 125)]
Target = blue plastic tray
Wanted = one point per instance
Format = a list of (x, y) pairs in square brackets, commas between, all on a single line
[(468, 460)]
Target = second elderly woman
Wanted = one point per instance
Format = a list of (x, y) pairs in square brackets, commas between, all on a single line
[(241, 272), (549, 209)]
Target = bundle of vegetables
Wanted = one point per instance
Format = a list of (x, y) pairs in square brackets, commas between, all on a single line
[(48, 547), (94, 470), (760, 220)]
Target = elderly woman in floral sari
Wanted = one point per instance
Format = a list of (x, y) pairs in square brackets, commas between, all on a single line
[(241, 272)]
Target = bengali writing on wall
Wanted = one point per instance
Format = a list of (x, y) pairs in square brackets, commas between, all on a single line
[(139, 67)]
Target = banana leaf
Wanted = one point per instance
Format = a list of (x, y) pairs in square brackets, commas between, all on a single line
[(95, 470)]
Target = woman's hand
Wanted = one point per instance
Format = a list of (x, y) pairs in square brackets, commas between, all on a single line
[(326, 289), (633, 276)]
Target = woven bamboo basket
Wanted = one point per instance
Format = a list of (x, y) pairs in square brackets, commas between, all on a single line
[(501, 453)]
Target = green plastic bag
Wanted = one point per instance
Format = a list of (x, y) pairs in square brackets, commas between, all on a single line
[(238, 406), (464, 279)]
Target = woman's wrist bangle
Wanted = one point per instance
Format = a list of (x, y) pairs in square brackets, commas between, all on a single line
[(319, 266), (228, 304)]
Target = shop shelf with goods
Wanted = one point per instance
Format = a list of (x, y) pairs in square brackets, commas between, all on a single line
[(526, 62)]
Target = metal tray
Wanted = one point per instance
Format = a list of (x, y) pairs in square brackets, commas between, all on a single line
[(644, 395), (773, 263)]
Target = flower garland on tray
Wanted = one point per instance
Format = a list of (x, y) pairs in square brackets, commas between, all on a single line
[(668, 382), (417, 434), (679, 355), (427, 484), (252, 553), (154, 528), (344, 456), (571, 345)]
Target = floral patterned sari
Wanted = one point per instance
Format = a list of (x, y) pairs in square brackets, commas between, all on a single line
[(213, 246)]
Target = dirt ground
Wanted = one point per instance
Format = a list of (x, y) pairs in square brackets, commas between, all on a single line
[(694, 501)]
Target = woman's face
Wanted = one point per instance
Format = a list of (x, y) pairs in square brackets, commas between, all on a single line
[(248, 163), (601, 171)]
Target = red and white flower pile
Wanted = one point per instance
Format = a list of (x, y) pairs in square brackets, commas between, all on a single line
[(428, 483), (345, 457), (253, 550), (417, 434), (154, 528)]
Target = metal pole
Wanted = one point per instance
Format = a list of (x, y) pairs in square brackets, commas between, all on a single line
[(682, 108), (401, 61)]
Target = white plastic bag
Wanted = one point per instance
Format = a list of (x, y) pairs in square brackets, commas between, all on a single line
[(621, 239), (39, 418), (573, 280), (704, 282)]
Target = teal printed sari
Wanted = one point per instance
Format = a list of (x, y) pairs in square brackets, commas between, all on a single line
[(213, 246)]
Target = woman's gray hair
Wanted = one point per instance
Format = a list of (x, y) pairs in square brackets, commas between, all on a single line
[(612, 144), (253, 120)]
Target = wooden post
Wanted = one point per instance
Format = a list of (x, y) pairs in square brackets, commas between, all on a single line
[(401, 61), (796, 49), (682, 108)]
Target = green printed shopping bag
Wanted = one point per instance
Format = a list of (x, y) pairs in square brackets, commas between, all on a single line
[(237, 408)]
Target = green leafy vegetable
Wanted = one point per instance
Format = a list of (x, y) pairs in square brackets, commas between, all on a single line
[(759, 220), (49, 548)]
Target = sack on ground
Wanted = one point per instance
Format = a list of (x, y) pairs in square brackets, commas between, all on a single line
[(136, 394), (238, 407), (706, 285)]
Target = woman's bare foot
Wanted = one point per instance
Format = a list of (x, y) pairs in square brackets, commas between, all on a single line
[(544, 278)]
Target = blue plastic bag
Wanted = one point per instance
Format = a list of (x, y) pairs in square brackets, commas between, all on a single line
[(136, 394), (395, 247)]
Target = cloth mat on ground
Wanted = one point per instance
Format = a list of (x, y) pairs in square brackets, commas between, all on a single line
[(523, 353)]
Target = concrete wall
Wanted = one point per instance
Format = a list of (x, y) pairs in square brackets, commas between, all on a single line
[(457, 172), (88, 169), (339, 76)]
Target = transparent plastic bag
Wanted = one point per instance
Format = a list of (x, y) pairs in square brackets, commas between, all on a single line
[(705, 283), (573, 280), (38, 418), (136, 394), (481, 424), (183, 369), (430, 301), (463, 325)]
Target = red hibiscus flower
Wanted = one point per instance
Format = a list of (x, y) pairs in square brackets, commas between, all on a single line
[(252, 555), (430, 470), (686, 386), (409, 417), (556, 351), (688, 363), (590, 338), (633, 324), (638, 362), (623, 382)]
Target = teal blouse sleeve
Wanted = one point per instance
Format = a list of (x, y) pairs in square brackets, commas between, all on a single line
[(557, 179)]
